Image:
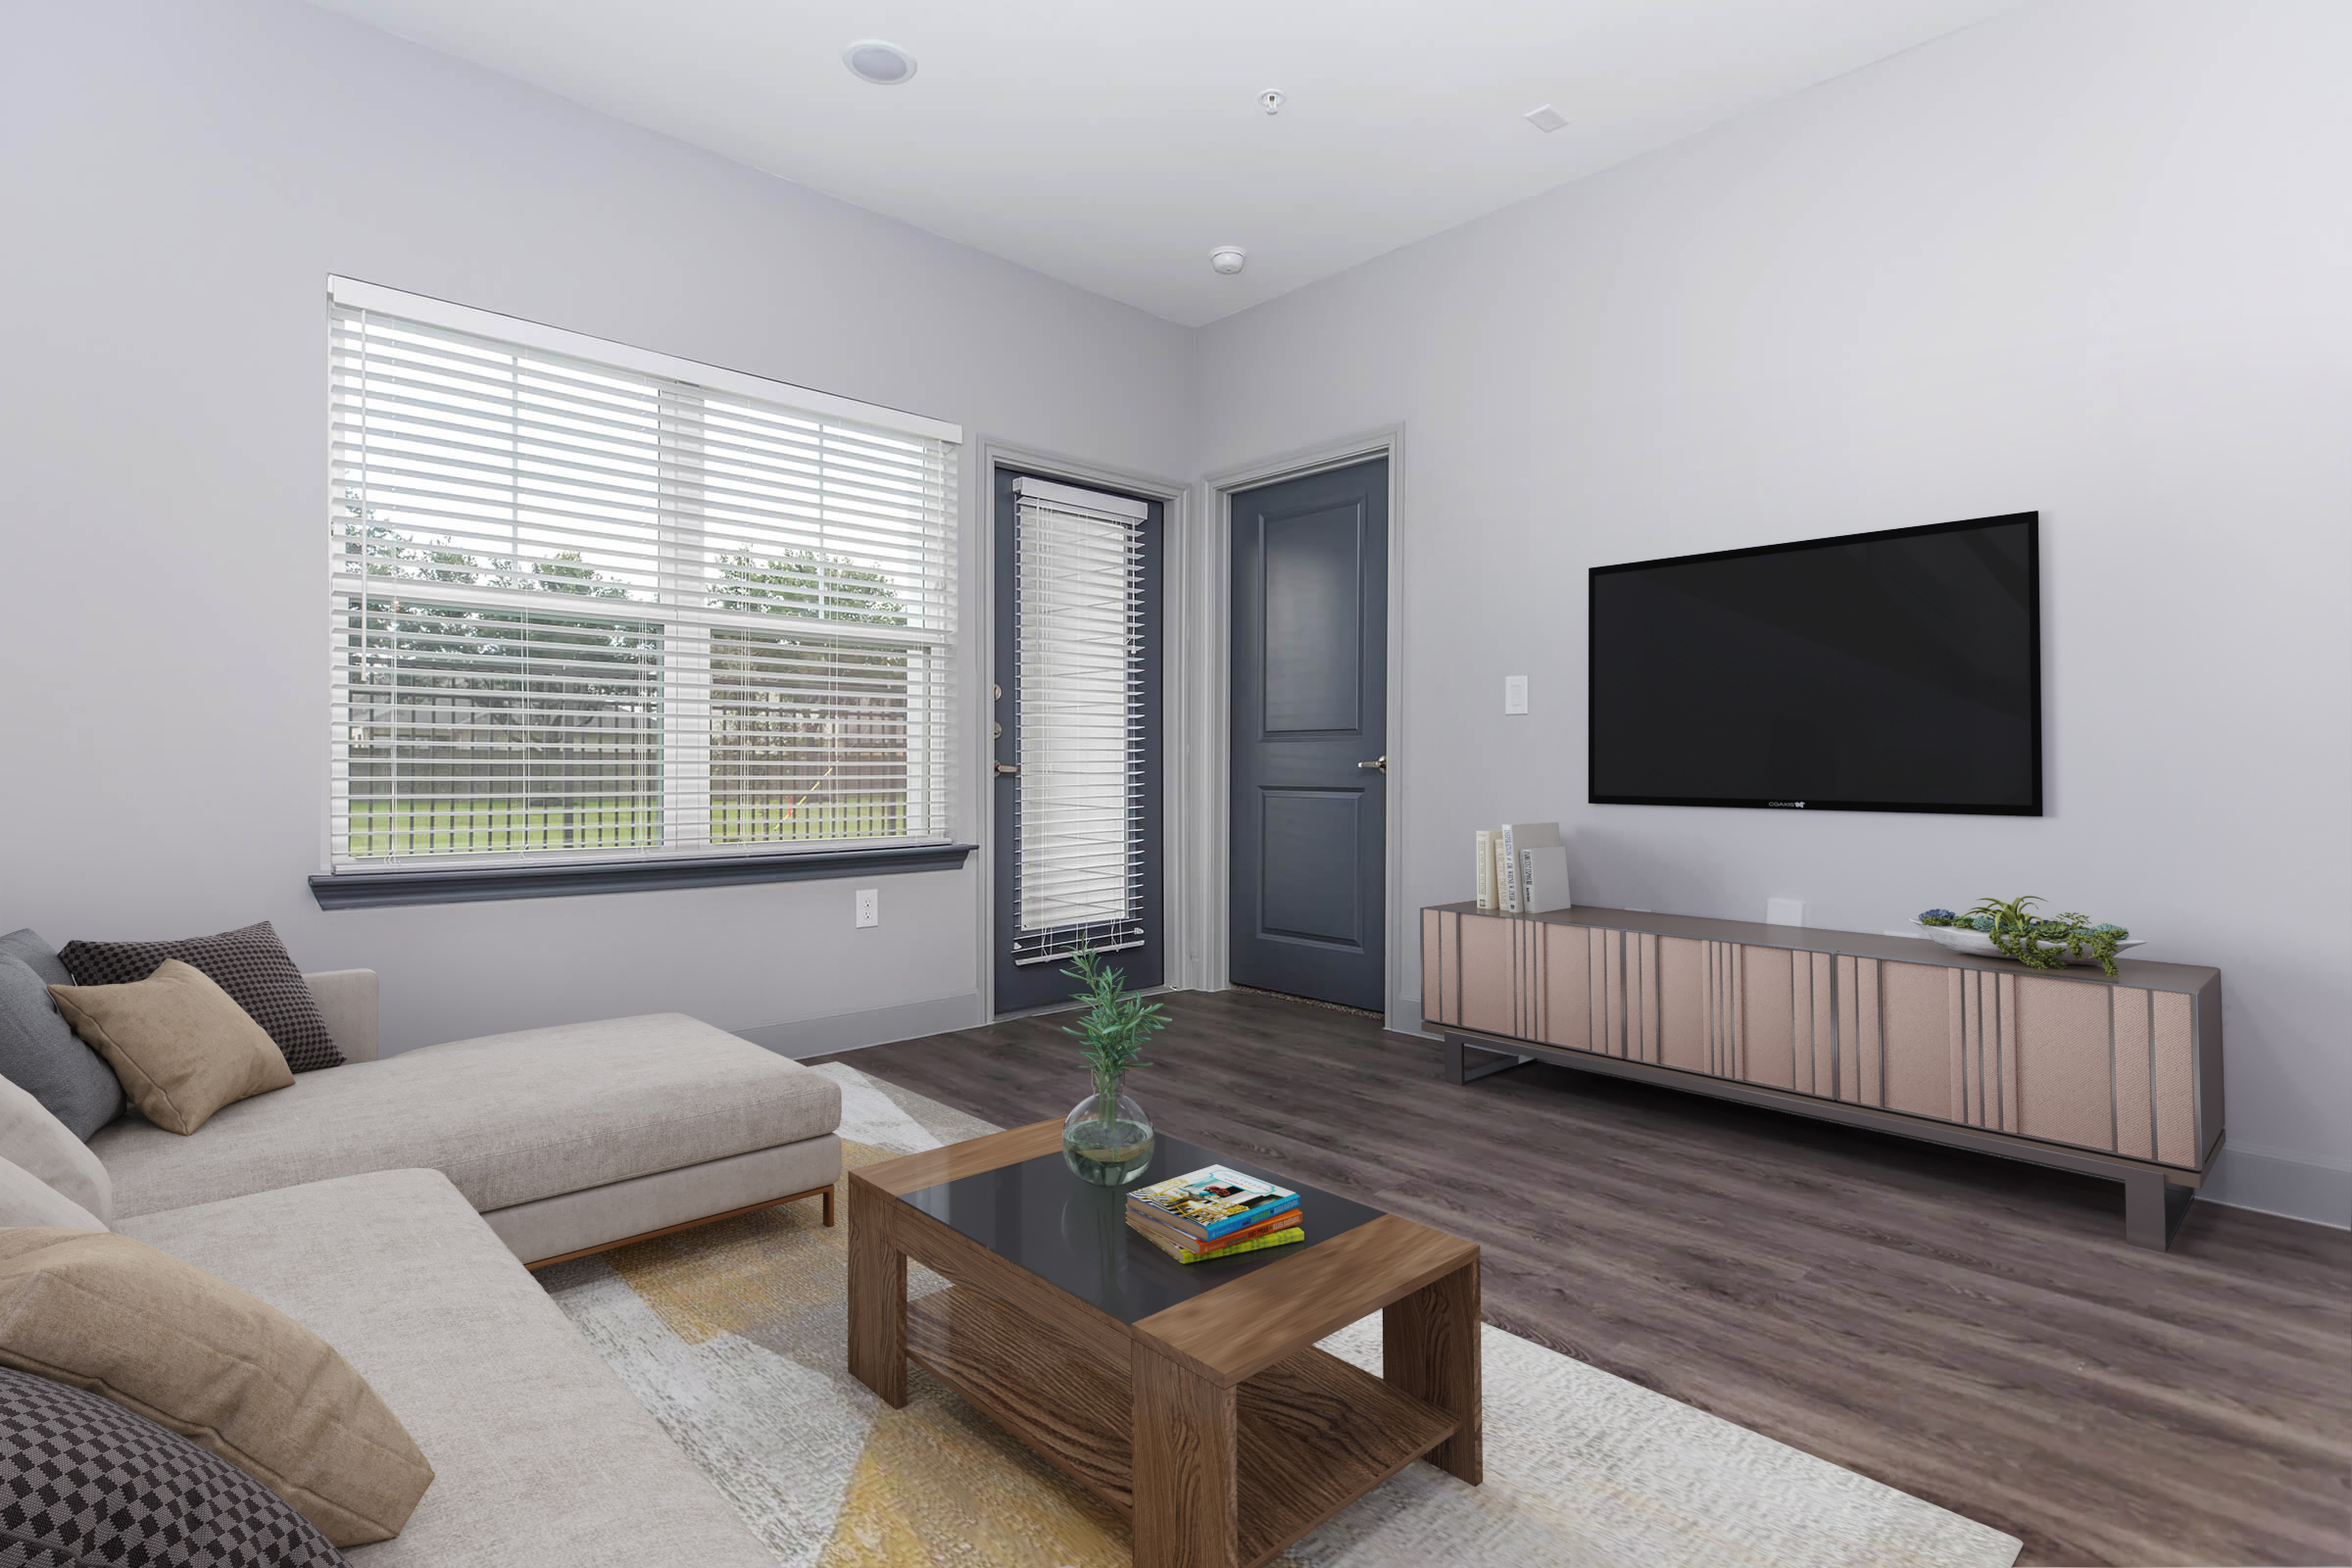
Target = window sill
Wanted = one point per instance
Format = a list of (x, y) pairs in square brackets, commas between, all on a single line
[(370, 890)]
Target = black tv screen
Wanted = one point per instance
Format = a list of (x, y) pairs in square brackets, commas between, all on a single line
[(1895, 672)]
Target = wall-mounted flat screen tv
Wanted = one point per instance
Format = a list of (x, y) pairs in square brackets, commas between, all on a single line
[(1894, 671)]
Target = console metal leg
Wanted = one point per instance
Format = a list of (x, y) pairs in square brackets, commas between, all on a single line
[(2153, 1209), (1457, 1061)]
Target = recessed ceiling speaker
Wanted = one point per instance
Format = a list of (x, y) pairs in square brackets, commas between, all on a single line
[(881, 63), (1228, 259)]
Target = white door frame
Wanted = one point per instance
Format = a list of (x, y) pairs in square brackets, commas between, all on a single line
[(1178, 813), (1211, 690)]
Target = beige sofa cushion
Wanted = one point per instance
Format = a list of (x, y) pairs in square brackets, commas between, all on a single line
[(595, 1217), (34, 1141), (509, 1118), (181, 1044), (240, 1379), (541, 1455)]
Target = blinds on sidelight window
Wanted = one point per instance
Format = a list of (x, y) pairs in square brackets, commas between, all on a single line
[(1078, 607)]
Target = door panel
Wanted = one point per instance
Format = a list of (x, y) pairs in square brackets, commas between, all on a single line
[(2064, 1043), (1308, 825), (1315, 831), (1077, 748), (1683, 992), (1567, 986), (1312, 623), (1917, 1045), (1768, 1017)]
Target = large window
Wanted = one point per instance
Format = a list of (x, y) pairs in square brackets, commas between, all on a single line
[(589, 603)]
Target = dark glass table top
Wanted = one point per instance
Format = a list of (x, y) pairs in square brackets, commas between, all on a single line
[(1070, 1233)]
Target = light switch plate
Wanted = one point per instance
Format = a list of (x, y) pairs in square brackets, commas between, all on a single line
[(1514, 693), (869, 906), (1783, 911)]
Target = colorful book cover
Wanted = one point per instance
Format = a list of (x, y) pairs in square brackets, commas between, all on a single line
[(1214, 1201), (1255, 1244), (1288, 1219)]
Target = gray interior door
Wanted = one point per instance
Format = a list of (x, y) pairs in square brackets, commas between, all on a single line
[(1077, 740), (1309, 787)]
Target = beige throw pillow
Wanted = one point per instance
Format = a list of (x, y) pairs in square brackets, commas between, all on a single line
[(181, 1046), (229, 1373)]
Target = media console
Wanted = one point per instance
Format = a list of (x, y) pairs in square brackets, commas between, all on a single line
[(2117, 1078)]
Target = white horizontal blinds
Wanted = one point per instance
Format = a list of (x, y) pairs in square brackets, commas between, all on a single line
[(1078, 612), (582, 610)]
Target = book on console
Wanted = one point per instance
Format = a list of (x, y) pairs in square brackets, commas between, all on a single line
[(1517, 838), (1211, 1202), (1543, 880)]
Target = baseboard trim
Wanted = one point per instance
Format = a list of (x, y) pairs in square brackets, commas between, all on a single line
[(876, 1026), (2278, 1183)]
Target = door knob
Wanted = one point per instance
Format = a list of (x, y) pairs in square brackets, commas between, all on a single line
[(1377, 764)]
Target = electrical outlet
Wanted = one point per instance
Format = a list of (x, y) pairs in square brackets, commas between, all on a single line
[(1783, 911), (869, 906), (1514, 693)]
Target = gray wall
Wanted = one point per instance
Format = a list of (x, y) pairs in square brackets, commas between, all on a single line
[(2087, 258), (177, 183)]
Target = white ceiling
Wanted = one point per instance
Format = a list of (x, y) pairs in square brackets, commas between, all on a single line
[(1112, 143)]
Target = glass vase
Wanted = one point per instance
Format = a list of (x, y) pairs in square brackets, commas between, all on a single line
[(1107, 1139)]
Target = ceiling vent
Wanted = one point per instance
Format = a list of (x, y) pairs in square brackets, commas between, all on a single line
[(1546, 119)]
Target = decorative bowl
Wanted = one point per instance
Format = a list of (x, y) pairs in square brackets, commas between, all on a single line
[(1977, 945)]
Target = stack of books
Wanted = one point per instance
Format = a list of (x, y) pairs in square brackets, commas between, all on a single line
[(1215, 1213), (1522, 868)]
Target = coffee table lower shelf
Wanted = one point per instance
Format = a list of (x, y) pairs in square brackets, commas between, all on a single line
[(1312, 1433)]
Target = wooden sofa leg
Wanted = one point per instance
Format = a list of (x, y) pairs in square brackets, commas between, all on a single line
[(828, 1206)]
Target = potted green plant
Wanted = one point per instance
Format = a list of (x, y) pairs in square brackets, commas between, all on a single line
[(1107, 1138)]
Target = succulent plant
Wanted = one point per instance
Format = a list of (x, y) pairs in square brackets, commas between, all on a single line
[(1935, 916), (2039, 942)]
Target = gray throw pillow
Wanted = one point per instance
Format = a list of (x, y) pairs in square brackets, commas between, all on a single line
[(250, 963), (32, 949), (40, 1054), (85, 1481)]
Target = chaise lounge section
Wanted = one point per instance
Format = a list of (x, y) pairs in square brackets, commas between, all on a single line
[(566, 1139)]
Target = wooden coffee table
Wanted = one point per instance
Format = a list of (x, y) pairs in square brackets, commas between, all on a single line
[(1189, 1397)]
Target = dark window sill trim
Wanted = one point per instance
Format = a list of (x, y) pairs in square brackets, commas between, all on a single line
[(371, 889)]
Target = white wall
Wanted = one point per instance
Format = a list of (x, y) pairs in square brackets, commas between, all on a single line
[(176, 183), (2090, 259)]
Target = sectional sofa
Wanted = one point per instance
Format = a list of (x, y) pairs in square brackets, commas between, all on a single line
[(392, 1206)]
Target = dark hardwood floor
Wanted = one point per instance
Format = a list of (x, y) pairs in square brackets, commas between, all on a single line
[(1970, 1330)]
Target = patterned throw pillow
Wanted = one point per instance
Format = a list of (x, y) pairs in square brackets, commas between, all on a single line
[(250, 964), (85, 1481)]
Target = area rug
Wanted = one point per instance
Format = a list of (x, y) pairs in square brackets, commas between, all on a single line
[(733, 1337)]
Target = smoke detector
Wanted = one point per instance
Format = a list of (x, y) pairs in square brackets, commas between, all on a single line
[(1228, 260), (881, 63), (1271, 100)]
